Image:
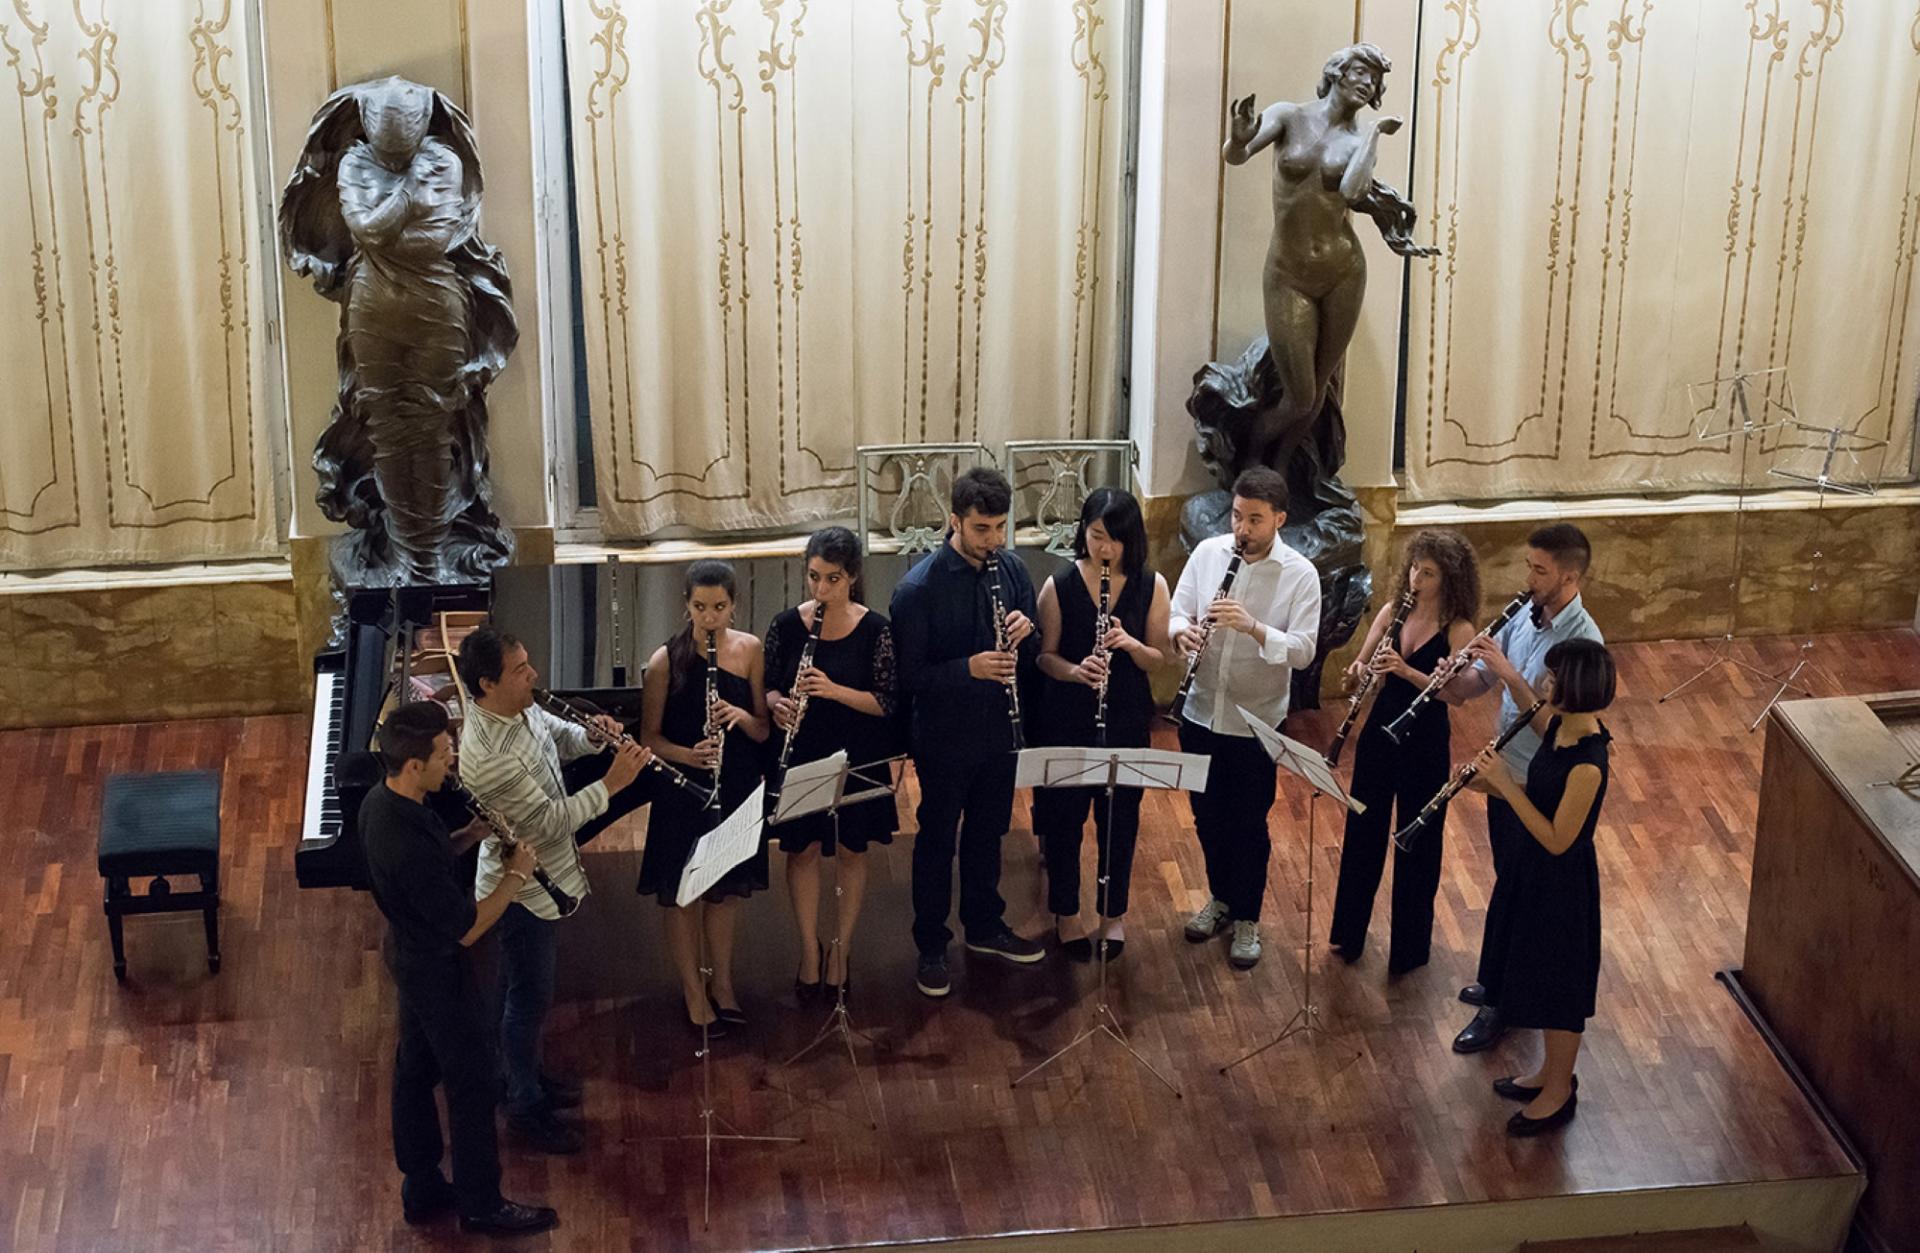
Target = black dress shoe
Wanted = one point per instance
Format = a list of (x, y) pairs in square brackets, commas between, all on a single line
[(510, 1218), (1474, 994), (1345, 953), (1521, 1125), (561, 1092), (426, 1197), (1482, 1033), (1113, 949), (1080, 950), (545, 1132)]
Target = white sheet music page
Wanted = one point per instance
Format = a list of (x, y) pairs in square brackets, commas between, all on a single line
[(721, 849)]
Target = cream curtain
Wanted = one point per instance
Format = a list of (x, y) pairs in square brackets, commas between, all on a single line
[(807, 226), (1634, 196), (131, 322)]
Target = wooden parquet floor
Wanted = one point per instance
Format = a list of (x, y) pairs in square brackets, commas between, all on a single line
[(248, 1110)]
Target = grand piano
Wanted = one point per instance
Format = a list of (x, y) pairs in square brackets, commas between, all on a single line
[(588, 627)]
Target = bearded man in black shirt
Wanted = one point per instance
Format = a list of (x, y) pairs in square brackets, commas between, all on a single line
[(445, 1036)]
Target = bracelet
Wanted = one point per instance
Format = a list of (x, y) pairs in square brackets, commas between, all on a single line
[(515, 874)]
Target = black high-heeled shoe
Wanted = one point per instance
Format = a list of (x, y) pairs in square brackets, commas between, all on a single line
[(732, 1017), (834, 991), (1521, 1125), (806, 993)]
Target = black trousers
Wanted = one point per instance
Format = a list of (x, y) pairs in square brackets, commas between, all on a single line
[(1059, 817), (1394, 785), (964, 803), (445, 1038), (1230, 817), (1504, 833)]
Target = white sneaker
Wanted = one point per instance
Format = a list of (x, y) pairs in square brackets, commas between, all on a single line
[(1208, 922), (1245, 953)]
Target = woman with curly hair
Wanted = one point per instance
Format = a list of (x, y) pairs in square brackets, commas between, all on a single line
[(1444, 576)]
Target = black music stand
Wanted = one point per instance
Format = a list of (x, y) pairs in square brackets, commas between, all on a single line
[(823, 787), (1297, 758), (705, 865), (1083, 767)]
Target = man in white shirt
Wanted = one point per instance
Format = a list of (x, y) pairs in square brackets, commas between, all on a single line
[(1251, 638), (510, 755)]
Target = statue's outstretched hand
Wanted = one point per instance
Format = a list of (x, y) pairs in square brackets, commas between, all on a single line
[(1388, 125), (1246, 122)]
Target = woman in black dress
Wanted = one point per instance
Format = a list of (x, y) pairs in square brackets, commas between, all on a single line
[(1441, 570), (1111, 534), (678, 726), (849, 689), (1543, 923)]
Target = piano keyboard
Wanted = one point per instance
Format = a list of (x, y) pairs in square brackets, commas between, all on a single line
[(322, 822)]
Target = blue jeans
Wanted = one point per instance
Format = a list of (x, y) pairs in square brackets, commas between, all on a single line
[(526, 978)]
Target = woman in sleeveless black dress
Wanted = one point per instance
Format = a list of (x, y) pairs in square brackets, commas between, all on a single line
[(1395, 781), (1542, 957), (1112, 533), (850, 705), (675, 724)]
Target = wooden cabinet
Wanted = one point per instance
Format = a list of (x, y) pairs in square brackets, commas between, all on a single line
[(1833, 931)]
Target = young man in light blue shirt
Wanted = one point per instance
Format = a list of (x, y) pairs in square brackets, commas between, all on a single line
[(1514, 660)]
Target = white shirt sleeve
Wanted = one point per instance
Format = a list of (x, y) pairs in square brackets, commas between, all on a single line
[(1186, 598), (1294, 633)]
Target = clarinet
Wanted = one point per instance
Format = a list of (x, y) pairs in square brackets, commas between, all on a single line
[(509, 840), (713, 730), (613, 611), (1102, 623), (1445, 672), (1465, 775), (1206, 635), (1369, 678), (799, 704), (1001, 644), (567, 713)]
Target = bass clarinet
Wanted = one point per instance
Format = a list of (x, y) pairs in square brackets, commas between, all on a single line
[(1002, 644), (1448, 669), (1462, 777), (566, 712), (1102, 623), (1368, 678), (1206, 636), (509, 840), (714, 731), (799, 705)]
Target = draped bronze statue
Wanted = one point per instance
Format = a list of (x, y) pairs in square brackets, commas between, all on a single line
[(381, 213), (1274, 405)]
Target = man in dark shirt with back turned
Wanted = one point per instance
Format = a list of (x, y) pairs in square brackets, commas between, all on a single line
[(444, 1033), (963, 737)]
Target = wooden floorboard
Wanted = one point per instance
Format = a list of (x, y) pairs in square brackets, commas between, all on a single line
[(248, 1109)]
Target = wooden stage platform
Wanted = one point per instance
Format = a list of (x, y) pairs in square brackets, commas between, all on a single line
[(248, 1110)]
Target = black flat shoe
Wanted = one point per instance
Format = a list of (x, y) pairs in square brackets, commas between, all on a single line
[(510, 1218), (1113, 948), (1516, 1092), (1521, 1125), (1080, 950)]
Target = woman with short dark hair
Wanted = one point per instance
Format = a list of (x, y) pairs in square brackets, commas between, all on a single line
[(1542, 962)]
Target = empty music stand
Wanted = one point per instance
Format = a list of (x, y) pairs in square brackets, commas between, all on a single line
[(823, 787), (1296, 757), (1113, 767), (1849, 479), (735, 839), (1739, 423)]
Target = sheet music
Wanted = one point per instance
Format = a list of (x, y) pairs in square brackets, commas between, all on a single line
[(1301, 760), (809, 787), (721, 849), (1077, 766)]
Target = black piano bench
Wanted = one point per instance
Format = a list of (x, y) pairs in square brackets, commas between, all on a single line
[(160, 825)]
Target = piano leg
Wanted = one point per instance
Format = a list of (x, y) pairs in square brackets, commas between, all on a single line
[(210, 884), (116, 889)]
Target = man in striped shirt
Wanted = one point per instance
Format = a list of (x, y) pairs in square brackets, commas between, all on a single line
[(510, 755)]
